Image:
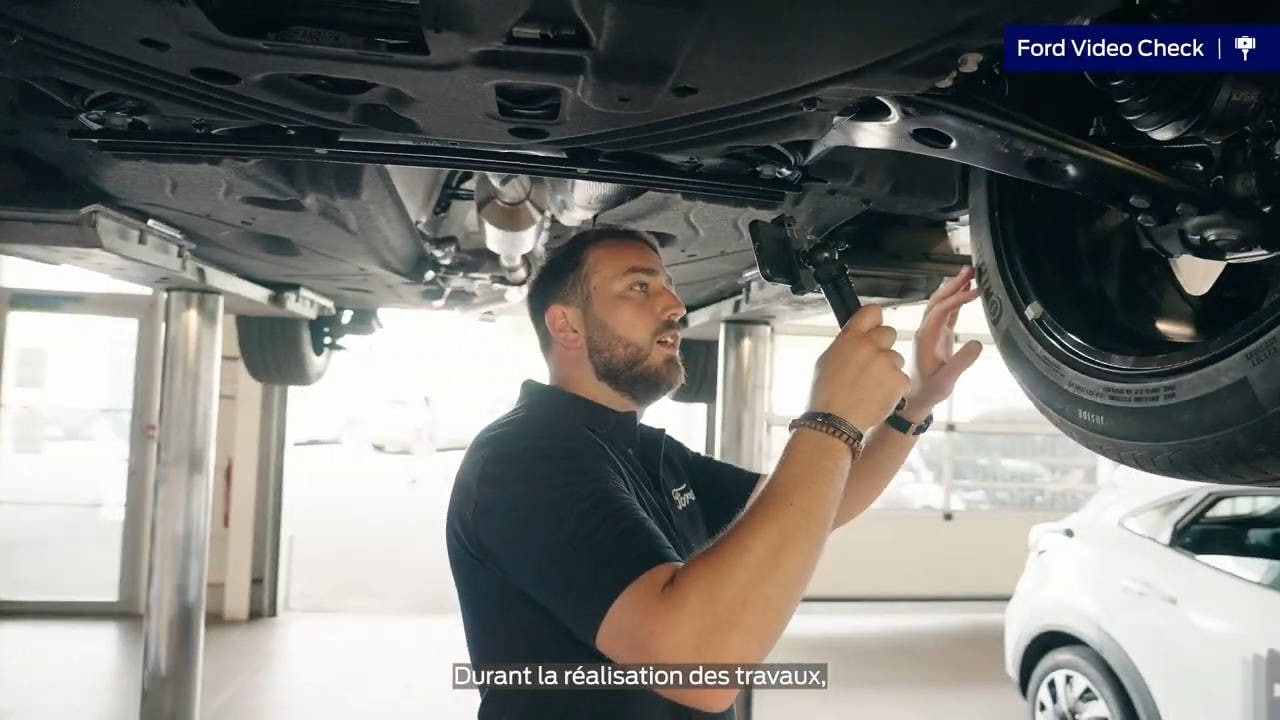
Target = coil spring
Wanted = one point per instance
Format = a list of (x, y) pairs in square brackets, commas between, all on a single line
[(1168, 107)]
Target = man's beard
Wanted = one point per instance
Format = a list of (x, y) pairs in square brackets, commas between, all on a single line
[(625, 366)]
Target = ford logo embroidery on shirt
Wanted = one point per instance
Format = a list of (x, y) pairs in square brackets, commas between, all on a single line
[(683, 495)]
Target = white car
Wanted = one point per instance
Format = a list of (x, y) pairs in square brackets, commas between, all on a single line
[(1158, 600)]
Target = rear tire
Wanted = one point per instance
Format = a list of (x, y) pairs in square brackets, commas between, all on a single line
[(1206, 410), (1077, 661), (282, 351)]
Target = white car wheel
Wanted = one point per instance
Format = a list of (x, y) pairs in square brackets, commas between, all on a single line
[(1068, 695), (1075, 683)]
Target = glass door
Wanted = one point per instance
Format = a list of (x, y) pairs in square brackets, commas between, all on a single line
[(73, 439), (66, 406)]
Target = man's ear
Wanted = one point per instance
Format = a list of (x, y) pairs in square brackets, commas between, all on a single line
[(565, 325)]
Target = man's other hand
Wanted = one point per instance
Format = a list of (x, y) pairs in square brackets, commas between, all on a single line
[(936, 363)]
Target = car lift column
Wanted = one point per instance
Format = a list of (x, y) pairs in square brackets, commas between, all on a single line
[(173, 626), (742, 410)]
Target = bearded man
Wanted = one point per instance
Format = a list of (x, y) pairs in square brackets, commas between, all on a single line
[(578, 535)]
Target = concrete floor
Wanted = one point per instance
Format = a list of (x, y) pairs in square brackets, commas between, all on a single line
[(886, 661)]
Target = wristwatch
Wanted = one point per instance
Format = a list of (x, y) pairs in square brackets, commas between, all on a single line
[(906, 427)]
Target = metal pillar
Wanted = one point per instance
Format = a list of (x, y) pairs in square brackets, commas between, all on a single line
[(742, 412), (142, 449), (263, 597), (173, 627), (742, 394)]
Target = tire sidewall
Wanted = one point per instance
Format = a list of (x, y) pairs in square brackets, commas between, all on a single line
[(1209, 400), (315, 364), (1088, 663), (280, 351)]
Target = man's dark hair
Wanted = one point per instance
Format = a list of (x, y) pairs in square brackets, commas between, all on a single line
[(563, 278)]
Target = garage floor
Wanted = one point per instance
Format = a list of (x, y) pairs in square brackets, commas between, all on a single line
[(887, 661)]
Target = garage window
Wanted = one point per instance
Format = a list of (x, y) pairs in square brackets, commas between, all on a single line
[(21, 274), (988, 450)]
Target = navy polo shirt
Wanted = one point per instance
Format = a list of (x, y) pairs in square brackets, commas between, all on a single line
[(557, 507)]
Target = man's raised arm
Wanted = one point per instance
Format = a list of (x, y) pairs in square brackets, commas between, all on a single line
[(732, 601)]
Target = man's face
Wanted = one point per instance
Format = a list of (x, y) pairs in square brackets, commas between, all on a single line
[(632, 322)]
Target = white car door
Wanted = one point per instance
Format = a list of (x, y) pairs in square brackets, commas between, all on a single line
[(1205, 610), (1136, 606)]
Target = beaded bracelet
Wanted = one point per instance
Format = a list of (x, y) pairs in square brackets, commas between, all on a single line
[(832, 425)]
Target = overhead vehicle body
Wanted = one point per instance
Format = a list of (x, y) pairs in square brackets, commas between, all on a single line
[(338, 157)]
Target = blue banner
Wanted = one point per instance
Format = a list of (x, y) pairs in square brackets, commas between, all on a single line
[(1142, 48)]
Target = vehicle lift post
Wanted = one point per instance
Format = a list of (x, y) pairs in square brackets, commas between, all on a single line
[(741, 412), (196, 296), (173, 624)]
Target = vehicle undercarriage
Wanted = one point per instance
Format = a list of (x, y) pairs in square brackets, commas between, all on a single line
[(395, 153)]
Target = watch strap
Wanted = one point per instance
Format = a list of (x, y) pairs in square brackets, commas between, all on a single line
[(906, 427)]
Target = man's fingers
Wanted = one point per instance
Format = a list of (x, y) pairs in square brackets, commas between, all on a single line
[(952, 285), (962, 360), (867, 317), (884, 336), (936, 318)]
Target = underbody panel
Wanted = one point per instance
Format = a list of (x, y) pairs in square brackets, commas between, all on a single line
[(717, 93)]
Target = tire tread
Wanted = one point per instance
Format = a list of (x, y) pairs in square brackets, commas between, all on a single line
[(277, 351), (1249, 455)]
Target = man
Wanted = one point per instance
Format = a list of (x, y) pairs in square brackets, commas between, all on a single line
[(578, 535)]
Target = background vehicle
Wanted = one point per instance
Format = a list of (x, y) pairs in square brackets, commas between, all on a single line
[(404, 426), (1157, 599), (391, 153), (917, 486)]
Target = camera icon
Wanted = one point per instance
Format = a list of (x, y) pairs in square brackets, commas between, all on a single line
[(1245, 43)]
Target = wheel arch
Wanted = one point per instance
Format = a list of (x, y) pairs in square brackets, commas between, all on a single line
[(1049, 637)]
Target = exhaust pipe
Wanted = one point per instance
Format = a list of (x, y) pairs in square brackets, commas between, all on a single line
[(513, 212)]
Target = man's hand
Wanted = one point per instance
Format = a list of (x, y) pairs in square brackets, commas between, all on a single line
[(935, 368), (860, 377), (936, 364)]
